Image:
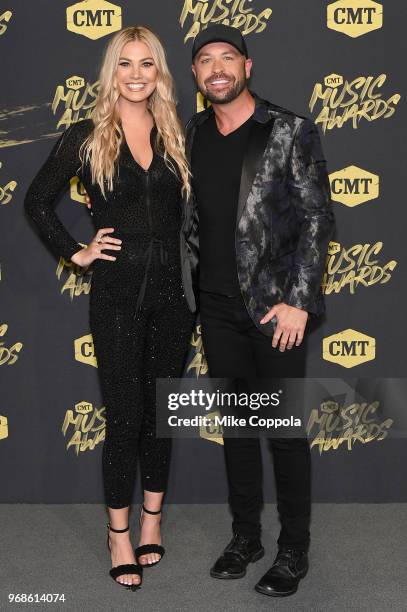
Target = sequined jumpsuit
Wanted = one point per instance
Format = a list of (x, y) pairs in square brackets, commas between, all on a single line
[(138, 315)]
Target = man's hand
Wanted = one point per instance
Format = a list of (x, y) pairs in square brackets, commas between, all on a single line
[(291, 323)]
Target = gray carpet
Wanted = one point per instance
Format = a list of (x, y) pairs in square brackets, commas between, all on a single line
[(357, 560)]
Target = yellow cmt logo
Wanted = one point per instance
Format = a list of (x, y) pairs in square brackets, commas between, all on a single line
[(349, 348), (77, 190), (333, 80), (84, 350), (75, 82), (83, 408), (352, 186), (212, 432), (86, 427), (3, 427), (93, 18), (354, 17)]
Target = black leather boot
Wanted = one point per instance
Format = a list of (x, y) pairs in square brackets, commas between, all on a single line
[(240, 551), (284, 575)]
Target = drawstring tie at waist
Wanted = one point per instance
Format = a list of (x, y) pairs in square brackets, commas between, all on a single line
[(163, 260)]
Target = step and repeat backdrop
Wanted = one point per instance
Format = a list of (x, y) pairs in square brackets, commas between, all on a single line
[(339, 63)]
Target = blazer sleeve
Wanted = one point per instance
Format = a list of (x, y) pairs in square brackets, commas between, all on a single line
[(310, 193), (192, 237), (191, 217), (51, 180)]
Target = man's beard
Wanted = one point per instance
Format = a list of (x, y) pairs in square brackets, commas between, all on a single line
[(231, 94)]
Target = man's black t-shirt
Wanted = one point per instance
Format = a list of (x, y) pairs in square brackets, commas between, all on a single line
[(216, 164)]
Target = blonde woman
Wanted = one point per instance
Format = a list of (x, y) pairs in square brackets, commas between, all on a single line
[(130, 158)]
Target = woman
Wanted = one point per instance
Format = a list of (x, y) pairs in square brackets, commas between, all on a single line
[(130, 158)]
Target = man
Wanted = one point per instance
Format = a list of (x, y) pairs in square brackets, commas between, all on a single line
[(262, 204)]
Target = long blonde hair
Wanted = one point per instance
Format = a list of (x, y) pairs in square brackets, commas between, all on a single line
[(102, 146)]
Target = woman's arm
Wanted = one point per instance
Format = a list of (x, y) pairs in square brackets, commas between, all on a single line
[(53, 177)]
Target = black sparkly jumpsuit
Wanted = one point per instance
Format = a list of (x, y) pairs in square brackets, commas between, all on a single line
[(138, 315)]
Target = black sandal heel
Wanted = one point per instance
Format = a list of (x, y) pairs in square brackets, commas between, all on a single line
[(144, 549), (125, 568)]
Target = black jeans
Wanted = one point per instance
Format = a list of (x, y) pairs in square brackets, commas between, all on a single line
[(234, 347)]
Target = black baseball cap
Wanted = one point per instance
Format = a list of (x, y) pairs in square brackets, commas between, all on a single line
[(220, 33)]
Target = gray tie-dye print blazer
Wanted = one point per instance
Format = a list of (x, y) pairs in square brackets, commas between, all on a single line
[(284, 220)]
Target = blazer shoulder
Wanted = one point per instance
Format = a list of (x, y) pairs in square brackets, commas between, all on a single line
[(197, 118), (285, 112), (288, 117)]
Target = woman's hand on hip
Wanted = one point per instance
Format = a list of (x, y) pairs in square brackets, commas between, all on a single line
[(94, 250)]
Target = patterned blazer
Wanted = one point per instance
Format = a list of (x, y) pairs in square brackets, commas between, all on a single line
[(284, 216)]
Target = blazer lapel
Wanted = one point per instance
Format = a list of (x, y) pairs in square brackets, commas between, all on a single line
[(191, 128), (259, 135)]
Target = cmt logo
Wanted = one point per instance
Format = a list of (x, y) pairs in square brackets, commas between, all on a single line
[(354, 17), (352, 186), (75, 82), (76, 98), (83, 408), (84, 350), (84, 427), (212, 432), (93, 18), (77, 190), (333, 80), (3, 427), (349, 348)]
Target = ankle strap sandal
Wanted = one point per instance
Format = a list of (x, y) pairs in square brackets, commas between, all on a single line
[(144, 549), (125, 568)]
